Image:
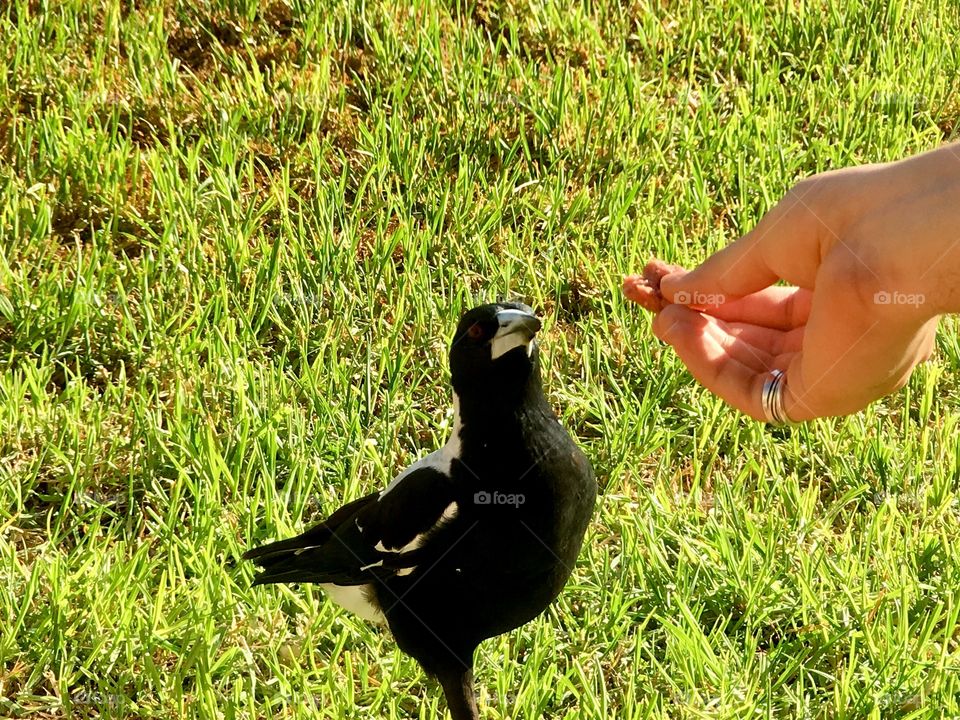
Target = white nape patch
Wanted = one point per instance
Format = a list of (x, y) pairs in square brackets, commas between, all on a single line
[(531, 346), (502, 344), (439, 460), (357, 599)]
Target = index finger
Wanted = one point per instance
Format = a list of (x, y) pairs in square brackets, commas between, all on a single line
[(779, 308)]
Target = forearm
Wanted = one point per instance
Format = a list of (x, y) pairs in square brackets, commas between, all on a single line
[(915, 229)]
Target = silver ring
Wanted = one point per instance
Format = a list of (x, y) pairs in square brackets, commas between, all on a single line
[(771, 398)]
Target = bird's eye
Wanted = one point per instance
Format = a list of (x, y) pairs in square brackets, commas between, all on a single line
[(475, 331)]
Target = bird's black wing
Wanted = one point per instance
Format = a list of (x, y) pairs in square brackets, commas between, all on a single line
[(381, 534)]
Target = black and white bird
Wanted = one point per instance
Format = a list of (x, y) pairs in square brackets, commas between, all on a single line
[(473, 540)]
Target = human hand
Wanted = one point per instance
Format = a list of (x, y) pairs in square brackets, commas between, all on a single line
[(872, 253)]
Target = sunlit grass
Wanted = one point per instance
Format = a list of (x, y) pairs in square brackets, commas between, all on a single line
[(236, 237)]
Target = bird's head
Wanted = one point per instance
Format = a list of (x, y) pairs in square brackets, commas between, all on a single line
[(494, 351)]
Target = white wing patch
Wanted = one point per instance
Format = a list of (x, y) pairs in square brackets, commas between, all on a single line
[(449, 513), (439, 460), (412, 545)]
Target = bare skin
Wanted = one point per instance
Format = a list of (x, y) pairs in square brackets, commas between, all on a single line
[(872, 258)]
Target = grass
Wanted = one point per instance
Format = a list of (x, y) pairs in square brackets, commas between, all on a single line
[(236, 237)]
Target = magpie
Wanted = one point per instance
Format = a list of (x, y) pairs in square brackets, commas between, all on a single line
[(473, 540)]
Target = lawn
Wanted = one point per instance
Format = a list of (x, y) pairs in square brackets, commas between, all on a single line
[(236, 238)]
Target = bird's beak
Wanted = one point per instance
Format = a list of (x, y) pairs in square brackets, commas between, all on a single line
[(517, 328)]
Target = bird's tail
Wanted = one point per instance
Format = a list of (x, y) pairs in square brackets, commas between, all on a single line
[(309, 557), (292, 560)]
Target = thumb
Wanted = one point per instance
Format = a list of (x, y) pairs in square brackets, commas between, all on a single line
[(735, 271), (784, 244)]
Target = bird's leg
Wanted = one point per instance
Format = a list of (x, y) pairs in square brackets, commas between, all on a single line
[(457, 686)]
